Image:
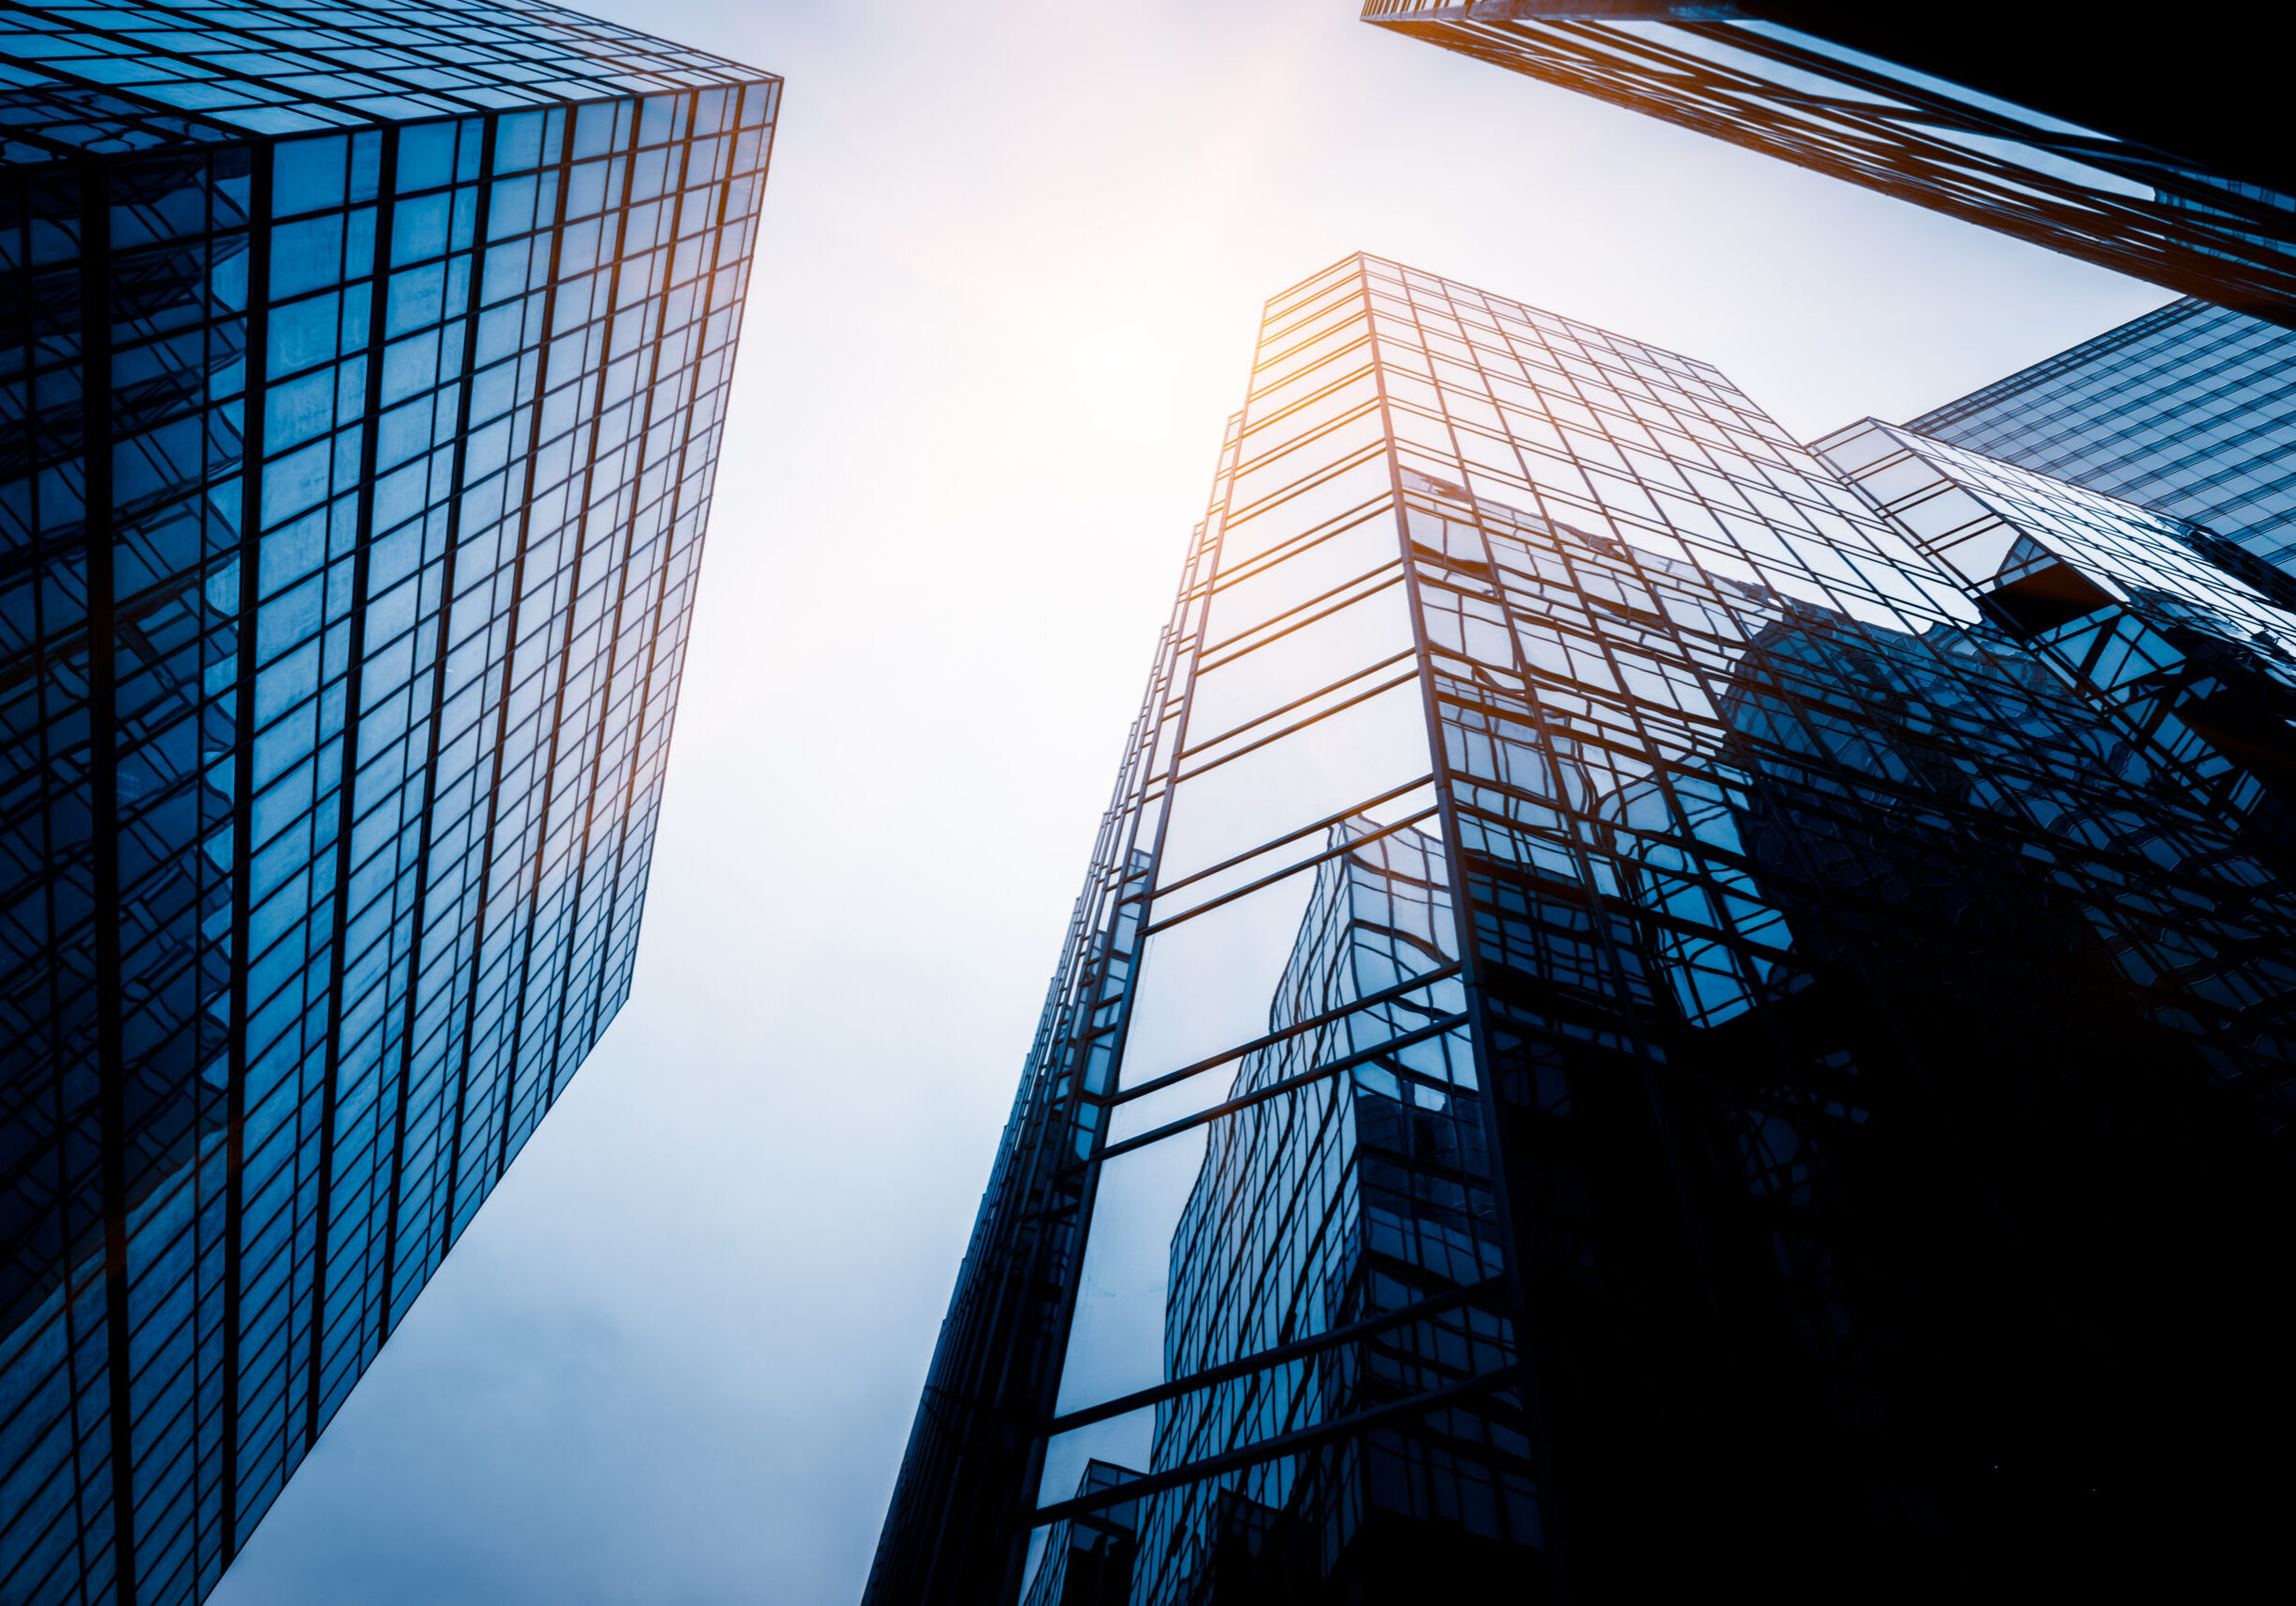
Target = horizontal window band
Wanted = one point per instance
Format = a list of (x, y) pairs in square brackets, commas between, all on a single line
[(1323, 824), (1201, 667), (1301, 359), (1225, 643), (1385, 995), (1406, 655), (1298, 1348), (1171, 1078), (1270, 453), (1316, 311), (1269, 1449), (1274, 499), (1271, 878), (1320, 314), (1321, 393), (1435, 1028), (1099, 1524), (1211, 764), (1252, 568)]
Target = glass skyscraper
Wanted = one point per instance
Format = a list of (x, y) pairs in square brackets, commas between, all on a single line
[(2157, 152), (366, 370), (1653, 1012), (2190, 410)]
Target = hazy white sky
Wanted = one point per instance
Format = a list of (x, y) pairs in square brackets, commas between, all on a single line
[(1012, 260)]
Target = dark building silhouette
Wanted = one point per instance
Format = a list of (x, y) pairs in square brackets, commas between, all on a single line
[(2154, 150), (1654, 1014), (364, 373)]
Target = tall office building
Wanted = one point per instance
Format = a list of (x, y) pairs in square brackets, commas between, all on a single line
[(366, 368), (1651, 1014), (2190, 410), (2156, 150)]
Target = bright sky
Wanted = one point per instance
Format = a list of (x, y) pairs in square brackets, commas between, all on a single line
[(1012, 261)]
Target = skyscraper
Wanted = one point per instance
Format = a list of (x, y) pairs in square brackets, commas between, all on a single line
[(2154, 150), (1651, 1012), (366, 368), (2190, 409)]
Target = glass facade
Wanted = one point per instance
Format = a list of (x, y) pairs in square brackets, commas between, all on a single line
[(363, 376), (2190, 410), (2177, 633), (1650, 1010), (2000, 116)]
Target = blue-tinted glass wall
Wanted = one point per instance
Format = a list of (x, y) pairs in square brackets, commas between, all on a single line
[(354, 488), (1649, 1010), (2190, 409)]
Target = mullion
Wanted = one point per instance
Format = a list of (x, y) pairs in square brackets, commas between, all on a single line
[(1282, 1445), (1324, 824), (427, 811), (602, 695), (1272, 877), (1276, 1089), (452, 1136), (642, 691), (634, 448), (1369, 1000), (1365, 697), (1277, 1355), (354, 677)]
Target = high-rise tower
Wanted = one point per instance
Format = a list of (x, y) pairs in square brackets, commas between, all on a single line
[(2155, 150), (2190, 409), (364, 374), (1651, 1012)]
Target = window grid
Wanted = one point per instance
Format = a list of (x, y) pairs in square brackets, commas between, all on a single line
[(403, 442), (1567, 818), (2190, 410)]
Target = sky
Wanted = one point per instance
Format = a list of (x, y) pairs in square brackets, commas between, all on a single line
[(1010, 269)]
